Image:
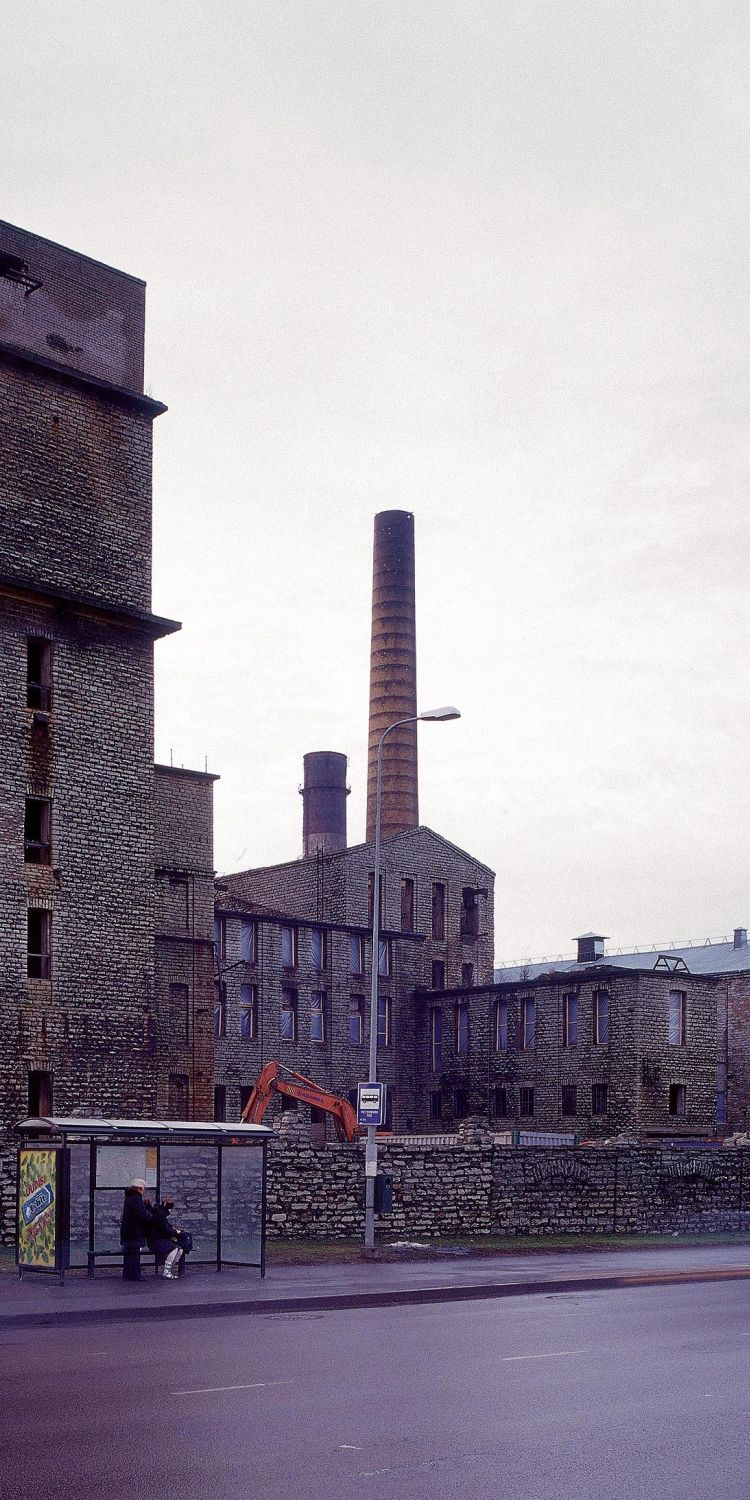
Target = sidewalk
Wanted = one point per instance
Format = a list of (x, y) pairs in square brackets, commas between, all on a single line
[(38, 1301)]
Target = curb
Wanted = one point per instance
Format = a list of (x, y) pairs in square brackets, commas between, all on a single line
[(350, 1301)]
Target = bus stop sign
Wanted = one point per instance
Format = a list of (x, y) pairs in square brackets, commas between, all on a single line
[(370, 1104)]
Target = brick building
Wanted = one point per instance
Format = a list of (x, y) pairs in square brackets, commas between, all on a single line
[(648, 1043), (81, 1018), (293, 945)]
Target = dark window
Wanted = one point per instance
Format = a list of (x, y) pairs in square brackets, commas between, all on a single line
[(598, 1098), (677, 1099), (469, 912), (38, 673), (501, 1025), (356, 954), (245, 1092), (248, 1012), (289, 947), (220, 1102), (179, 1013), (318, 948), (385, 1017), (436, 1039), (288, 1030), (407, 905), (317, 1016), (438, 974), (527, 1101), (436, 1105), (248, 941), (601, 1018), (569, 1099), (438, 911), (501, 1102), (570, 1021), (40, 1093), (356, 1020), (220, 939), (461, 1029), (460, 1103), (38, 932), (384, 957), (677, 1018), (37, 845), (220, 1009), (527, 1037), (177, 1098), (467, 976)]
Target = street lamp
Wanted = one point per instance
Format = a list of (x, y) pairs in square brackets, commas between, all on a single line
[(431, 715)]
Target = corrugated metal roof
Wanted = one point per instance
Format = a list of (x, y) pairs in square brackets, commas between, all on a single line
[(698, 958)]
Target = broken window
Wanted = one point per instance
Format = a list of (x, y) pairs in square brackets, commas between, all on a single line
[(677, 1099), (288, 1014), (248, 941), (384, 957), (677, 1018), (289, 947), (570, 1021), (438, 911), (407, 904), (220, 1101), (526, 1096), (461, 1029), (469, 912), (438, 974), (467, 976), (569, 1099), (38, 673), (601, 1018), (501, 1102), (37, 847), (527, 1028), (317, 1016), (38, 932), (40, 1093), (248, 1012), (220, 1009), (598, 1098)]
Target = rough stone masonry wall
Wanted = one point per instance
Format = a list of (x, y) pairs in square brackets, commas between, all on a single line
[(466, 1189)]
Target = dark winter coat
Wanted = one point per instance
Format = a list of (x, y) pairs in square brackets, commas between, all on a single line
[(161, 1236), (136, 1216)]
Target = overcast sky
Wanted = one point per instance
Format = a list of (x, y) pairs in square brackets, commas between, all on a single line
[(482, 261)]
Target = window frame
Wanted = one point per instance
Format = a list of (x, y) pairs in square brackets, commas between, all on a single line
[(438, 974), (38, 851), (500, 1024), (290, 942), (357, 1012), (318, 939), (318, 1013), (248, 1012), (678, 1014), (526, 1096), (436, 1038), (248, 940), (570, 1022), (439, 905), (408, 903), (500, 1096), (677, 1096), (461, 1028), (220, 1009), (289, 1007), (527, 1023), (571, 1090), (39, 687), (600, 1008), (385, 1021), (356, 946), (39, 957), (599, 1098)]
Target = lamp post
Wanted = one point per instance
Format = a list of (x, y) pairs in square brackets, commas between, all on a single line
[(432, 715)]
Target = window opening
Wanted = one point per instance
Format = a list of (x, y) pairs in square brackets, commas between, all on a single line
[(677, 1018), (38, 925), (356, 1020), (288, 1015), (37, 848), (438, 911), (461, 1029), (317, 1016), (527, 1101), (248, 1012), (601, 1018), (436, 1039), (407, 904), (38, 674), (570, 1021)]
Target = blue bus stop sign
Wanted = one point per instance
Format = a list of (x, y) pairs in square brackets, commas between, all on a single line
[(370, 1104)]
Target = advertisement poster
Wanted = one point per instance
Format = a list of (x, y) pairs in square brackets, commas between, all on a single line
[(38, 1188)]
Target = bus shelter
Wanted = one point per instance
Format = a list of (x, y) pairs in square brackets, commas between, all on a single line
[(72, 1174)]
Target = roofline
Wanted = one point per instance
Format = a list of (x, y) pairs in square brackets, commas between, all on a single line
[(67, 250), (586, 974), (185, 771), (14, 354), (274, 917), (122, 614), (286, 864)]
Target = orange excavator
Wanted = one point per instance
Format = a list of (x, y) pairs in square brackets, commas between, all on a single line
[(295, 1086)]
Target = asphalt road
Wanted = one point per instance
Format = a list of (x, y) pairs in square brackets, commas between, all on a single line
[(590, 1396)]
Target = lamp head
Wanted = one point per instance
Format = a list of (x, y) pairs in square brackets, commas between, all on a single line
[(439, 714)]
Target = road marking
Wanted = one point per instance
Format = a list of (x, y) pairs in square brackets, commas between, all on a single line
[(507, 1359), (210, 1390), (350, 1447)]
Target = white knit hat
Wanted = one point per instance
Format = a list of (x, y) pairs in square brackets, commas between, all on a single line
[(139, 1183)]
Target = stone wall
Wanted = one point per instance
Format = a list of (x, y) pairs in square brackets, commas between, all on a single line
[(457, 1188)]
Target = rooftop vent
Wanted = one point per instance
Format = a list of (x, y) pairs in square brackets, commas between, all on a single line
[(740, 937), (590, 947)]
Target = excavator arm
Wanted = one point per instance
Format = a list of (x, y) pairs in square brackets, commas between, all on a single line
[(274, 1078)]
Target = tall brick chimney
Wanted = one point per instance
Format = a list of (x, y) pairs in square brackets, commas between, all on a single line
[(393, 675)]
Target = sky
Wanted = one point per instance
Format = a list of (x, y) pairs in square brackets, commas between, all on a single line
[(485, 262)]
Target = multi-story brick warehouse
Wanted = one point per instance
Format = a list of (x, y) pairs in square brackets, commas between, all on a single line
[(295, 982), (80, 1015), (648, 1043)]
